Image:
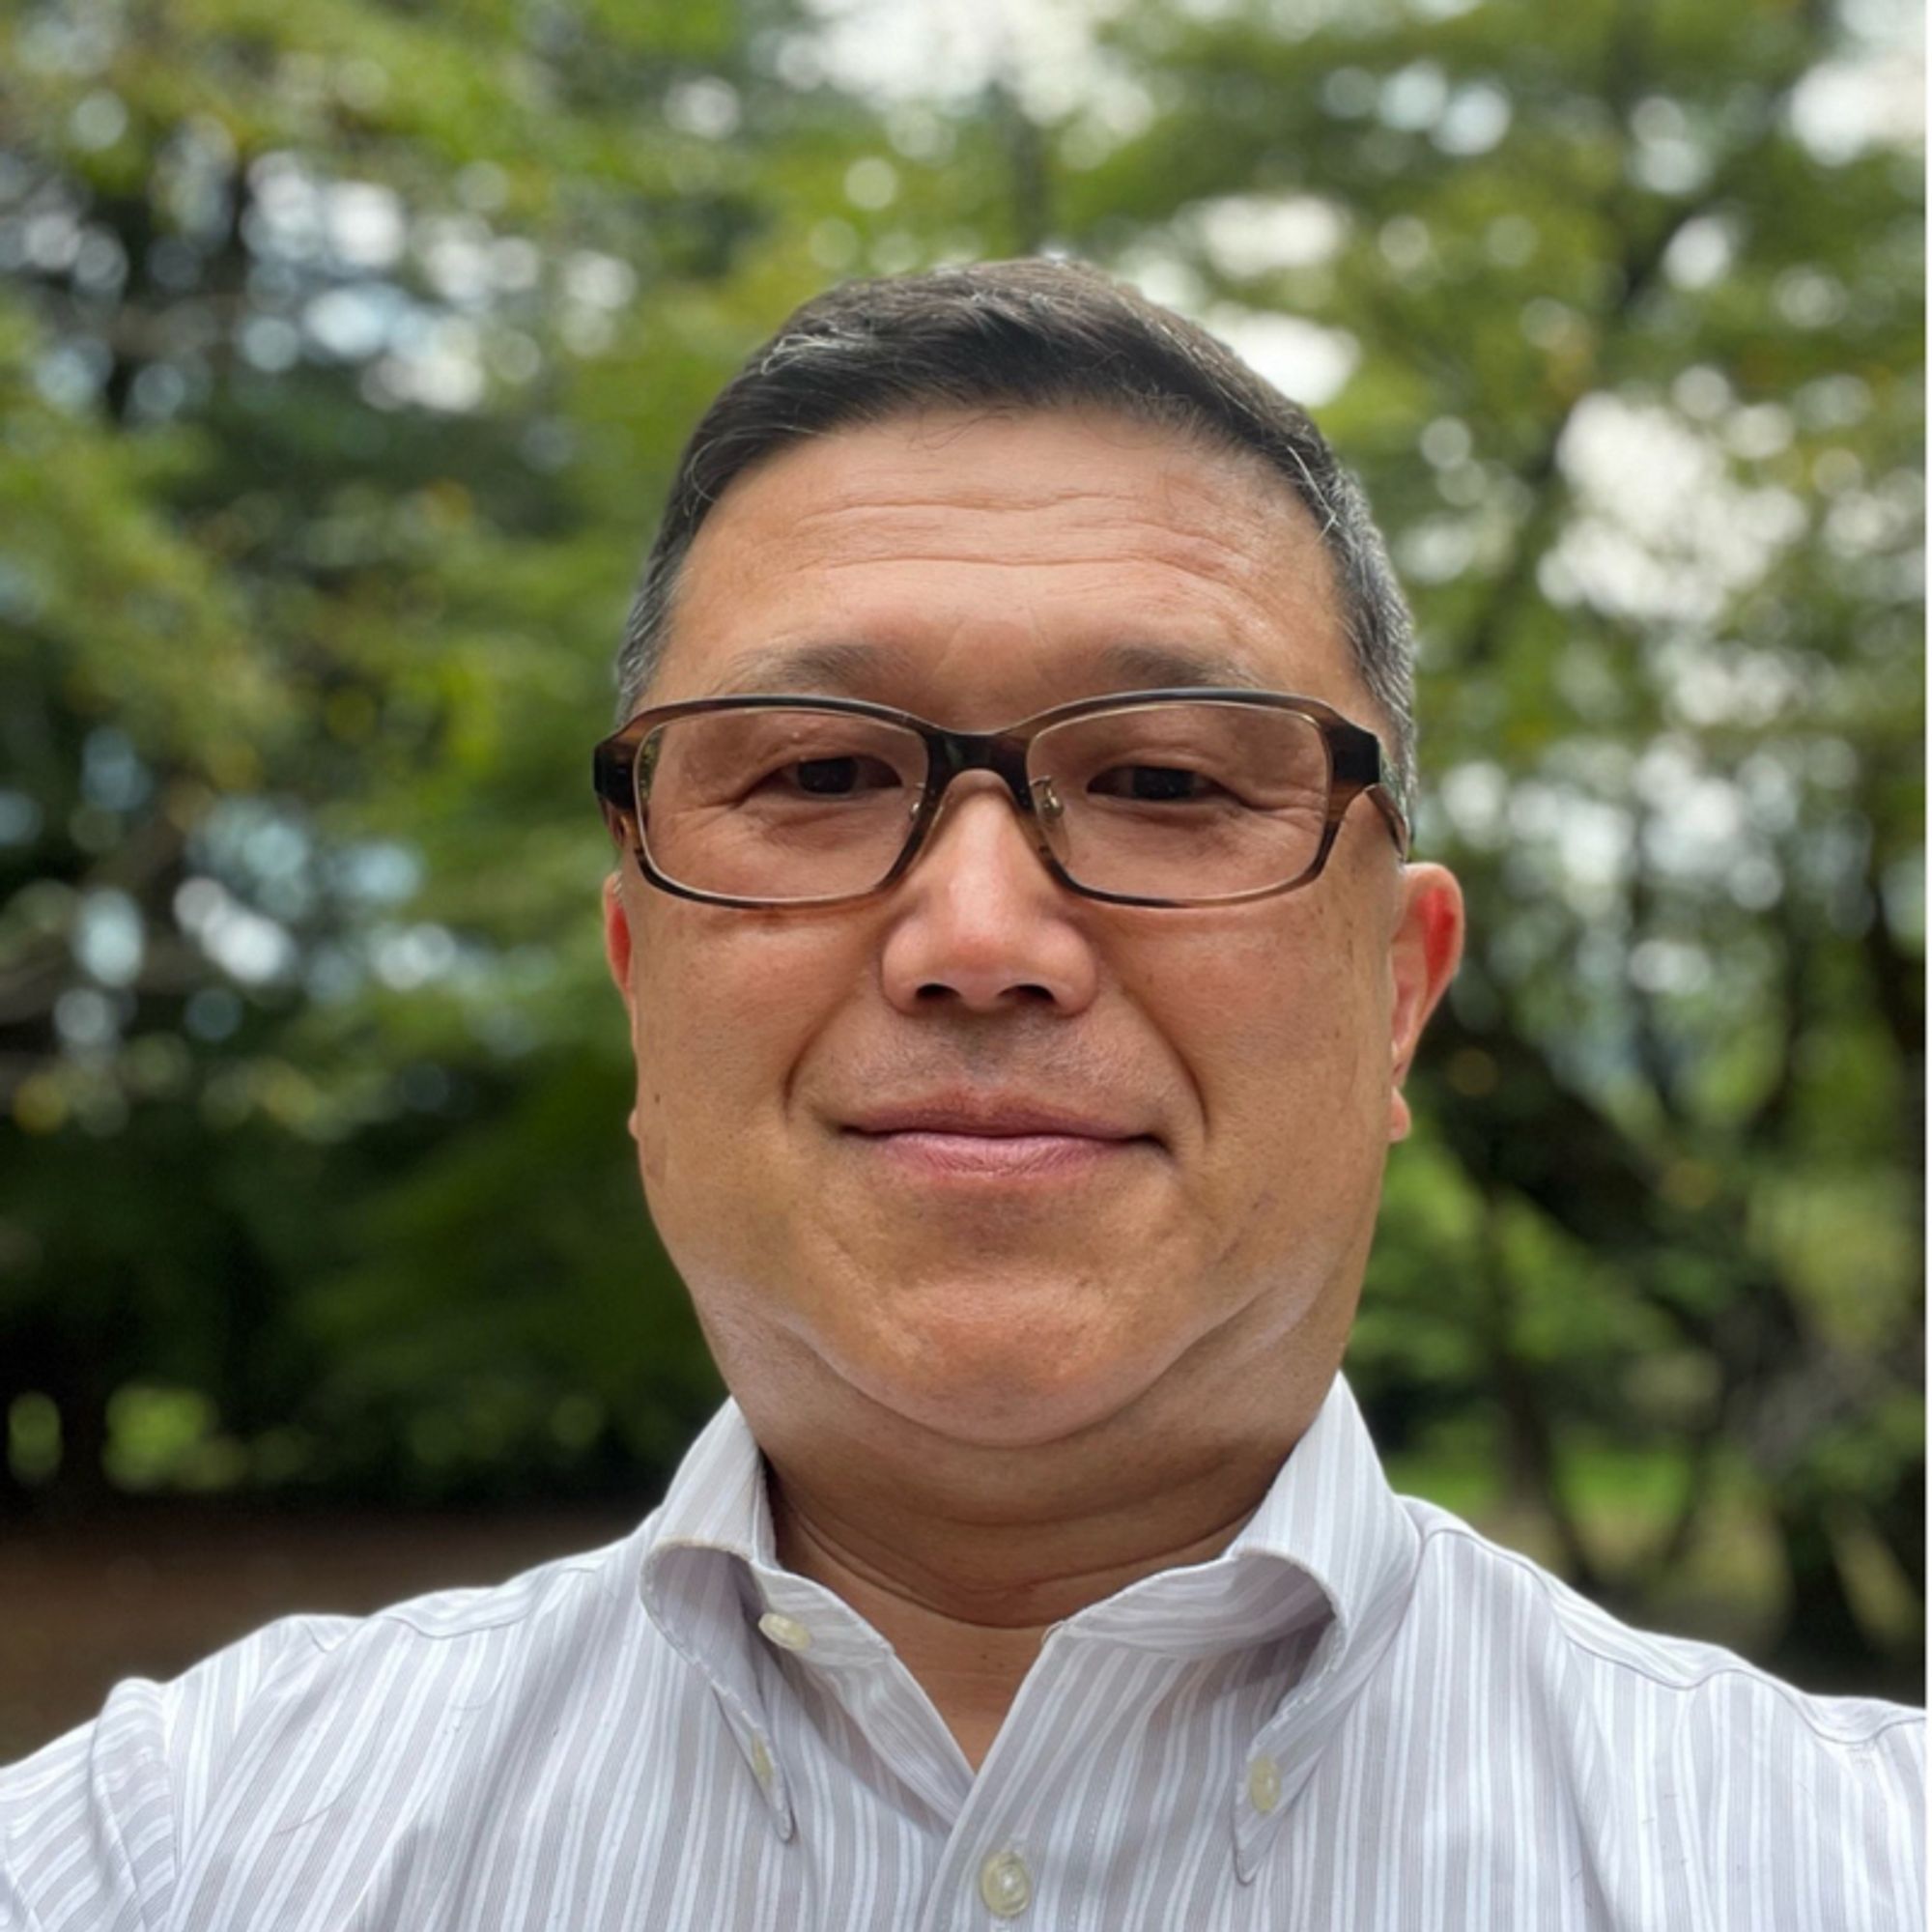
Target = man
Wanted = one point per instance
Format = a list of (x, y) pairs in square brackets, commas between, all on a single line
[(1023, 964)]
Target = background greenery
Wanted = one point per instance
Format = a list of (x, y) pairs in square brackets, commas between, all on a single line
[(345, 350)]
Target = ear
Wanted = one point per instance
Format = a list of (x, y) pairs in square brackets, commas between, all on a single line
[(1424, 950), (619, 945), (617, 938)]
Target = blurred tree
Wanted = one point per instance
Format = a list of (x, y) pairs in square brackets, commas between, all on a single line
[(317, 524), (345, 360)]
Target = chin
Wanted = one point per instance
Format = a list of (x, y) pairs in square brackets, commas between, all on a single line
[(1005, 1386), (1008, 1419)]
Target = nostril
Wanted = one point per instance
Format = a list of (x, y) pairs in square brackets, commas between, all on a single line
[(1026, 993)]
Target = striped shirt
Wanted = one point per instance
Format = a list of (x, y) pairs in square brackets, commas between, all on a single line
[(1362, 1716)]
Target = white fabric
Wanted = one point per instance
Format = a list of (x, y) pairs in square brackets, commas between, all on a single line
[(1361, 1717)]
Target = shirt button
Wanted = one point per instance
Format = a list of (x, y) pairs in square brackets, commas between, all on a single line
[(1263, 1784), (761, 1761), (1005, 1885), (787, 1632)]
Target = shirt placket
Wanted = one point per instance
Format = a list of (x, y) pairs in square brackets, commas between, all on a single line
[(989, 1870), (802, 1621), (997, 1857)]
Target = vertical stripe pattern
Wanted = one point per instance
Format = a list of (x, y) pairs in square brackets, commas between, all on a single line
[(1362, 1718)]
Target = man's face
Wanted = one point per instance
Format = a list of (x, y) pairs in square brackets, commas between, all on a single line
[(1211, 1091)]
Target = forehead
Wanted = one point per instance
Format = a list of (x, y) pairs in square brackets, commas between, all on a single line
[(1002, 561)]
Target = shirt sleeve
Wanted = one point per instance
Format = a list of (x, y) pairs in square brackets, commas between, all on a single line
[(92, 1825)]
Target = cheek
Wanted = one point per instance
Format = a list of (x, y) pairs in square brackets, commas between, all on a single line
[(725, 1014), (1284, 1033)]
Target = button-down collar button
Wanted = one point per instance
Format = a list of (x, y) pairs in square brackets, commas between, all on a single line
[(1263, 1784), (1004, 1885), (762, 1762), (787, 1632)]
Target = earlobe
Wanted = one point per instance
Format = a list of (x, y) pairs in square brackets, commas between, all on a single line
[(1424, 951)]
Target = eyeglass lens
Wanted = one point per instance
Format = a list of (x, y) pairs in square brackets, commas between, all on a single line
[(1185, 801)]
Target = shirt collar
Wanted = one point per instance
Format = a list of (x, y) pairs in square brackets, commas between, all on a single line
[(715, 1511), (1329, 1514), (717, 1499), (1329, 1544), (1328, 1541)]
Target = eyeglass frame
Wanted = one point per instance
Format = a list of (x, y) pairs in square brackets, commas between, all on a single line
[(1357, 766)]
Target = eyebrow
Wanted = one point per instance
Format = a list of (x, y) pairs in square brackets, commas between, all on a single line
[(844, 670), (1156, 664), (854, 670)]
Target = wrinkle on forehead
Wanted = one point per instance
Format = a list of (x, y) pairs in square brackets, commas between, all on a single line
[(1091, 528), (1237, 537)]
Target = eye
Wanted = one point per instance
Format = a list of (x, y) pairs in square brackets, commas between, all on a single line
[(842, 777), (1154, 784)]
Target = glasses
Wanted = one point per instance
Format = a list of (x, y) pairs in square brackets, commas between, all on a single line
[(1156, 798)]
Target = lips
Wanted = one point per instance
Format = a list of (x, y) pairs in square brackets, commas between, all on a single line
[(994, 1118), (980, 1139)]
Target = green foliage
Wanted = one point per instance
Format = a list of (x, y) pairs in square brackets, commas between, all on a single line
[(345, 356)]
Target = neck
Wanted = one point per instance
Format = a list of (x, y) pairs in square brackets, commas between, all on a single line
[(963, 1558)]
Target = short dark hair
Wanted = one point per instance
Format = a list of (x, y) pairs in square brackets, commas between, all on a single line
[(1031, 334)]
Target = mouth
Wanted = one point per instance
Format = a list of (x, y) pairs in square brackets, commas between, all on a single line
[(1008, 1141)]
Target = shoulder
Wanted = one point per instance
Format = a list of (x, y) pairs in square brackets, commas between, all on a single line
[(94, 1827), (1665, 1758), (1516, 1601)]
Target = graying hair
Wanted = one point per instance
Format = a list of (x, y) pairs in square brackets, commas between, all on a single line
[(1033, 334)]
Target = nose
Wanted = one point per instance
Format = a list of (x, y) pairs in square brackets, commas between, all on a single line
[(978, 924)]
